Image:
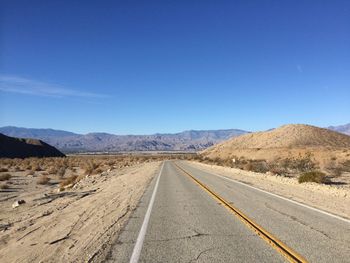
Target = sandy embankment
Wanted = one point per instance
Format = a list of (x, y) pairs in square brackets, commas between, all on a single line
[(78, 227), (331, 198)]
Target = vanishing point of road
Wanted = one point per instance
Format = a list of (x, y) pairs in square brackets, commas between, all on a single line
[(188, 215)]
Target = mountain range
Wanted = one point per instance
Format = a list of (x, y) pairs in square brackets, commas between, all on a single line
[(69, 142), (341, 128), (192, 140)]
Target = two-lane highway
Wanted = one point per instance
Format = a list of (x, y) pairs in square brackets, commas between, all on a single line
[(180, 221)]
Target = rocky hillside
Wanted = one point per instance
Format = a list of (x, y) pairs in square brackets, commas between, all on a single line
[(104, 142), (11, 147)]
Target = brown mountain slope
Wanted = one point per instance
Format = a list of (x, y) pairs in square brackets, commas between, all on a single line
[(287, 136), (11, 147), (295, 141)]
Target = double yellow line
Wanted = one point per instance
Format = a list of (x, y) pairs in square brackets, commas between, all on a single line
[(277, 244)]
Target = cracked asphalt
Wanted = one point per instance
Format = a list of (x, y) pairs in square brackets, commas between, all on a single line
[(188, 225)]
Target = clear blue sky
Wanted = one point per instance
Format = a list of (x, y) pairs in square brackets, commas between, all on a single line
[(143, 67)]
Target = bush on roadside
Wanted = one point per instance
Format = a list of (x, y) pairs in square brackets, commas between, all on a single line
[(4, 186), (5, 177), (258, 166), (314, 176), (70, 180), (43, 180), (61, 171)]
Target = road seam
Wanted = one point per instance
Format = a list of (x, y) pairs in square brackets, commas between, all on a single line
[(278, 245), (141, 236), (284, 198)]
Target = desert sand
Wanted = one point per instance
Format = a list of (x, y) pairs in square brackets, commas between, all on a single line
[(76, 225)]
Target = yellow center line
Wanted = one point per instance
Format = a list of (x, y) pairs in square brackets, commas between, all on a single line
[(287, 252)]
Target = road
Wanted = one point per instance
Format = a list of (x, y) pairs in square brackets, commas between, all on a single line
[(188, 224)]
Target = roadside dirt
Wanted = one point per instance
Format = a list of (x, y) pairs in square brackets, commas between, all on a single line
[(76, 225), (331, 198)]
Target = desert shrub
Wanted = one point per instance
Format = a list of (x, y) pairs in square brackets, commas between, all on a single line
[(4, 186), (52, 170), (259, 166), (5, 177), (61, 171), (30, 173), (313, 176), (3, 170), (277, 170), (97, 171), (43, 180), (345, 166), (299, 164), (70, 180), (16, 169)]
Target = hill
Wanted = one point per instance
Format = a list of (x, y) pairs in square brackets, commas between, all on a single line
[(289, 136), (11, 147), (103, 142), (296, 141), (341, 128)]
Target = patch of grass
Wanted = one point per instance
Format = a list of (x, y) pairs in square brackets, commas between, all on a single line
[(43, 180), (70, 180), (313, 176), (5, 177)]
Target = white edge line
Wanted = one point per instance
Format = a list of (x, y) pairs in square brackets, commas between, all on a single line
[(141, 237), (284, 198)]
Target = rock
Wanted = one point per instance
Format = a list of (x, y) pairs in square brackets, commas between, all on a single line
[(18, 203)]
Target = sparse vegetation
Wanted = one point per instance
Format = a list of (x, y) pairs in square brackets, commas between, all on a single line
[(61, 171), (43, 180), (5, 177), (313, 176), (70, 180), (4, 186)]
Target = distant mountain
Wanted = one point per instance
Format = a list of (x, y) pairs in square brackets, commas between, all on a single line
[(11, 147), (103, 142), (341, 128)]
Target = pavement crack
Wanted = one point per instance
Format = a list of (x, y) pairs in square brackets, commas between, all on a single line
[(201, 254), (197, 234), (300, 222)]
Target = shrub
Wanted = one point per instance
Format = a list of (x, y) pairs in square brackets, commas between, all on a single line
[(68, 181), (43, 180), (345, 166), (314, 176), (256, 166), (4, 186), (52, 170), (30, 173), (61, 171), (5, 177)]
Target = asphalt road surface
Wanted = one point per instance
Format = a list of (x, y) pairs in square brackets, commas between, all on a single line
[(177, 220)]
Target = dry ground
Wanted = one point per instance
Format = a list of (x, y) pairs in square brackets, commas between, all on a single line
[(72, 223)]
